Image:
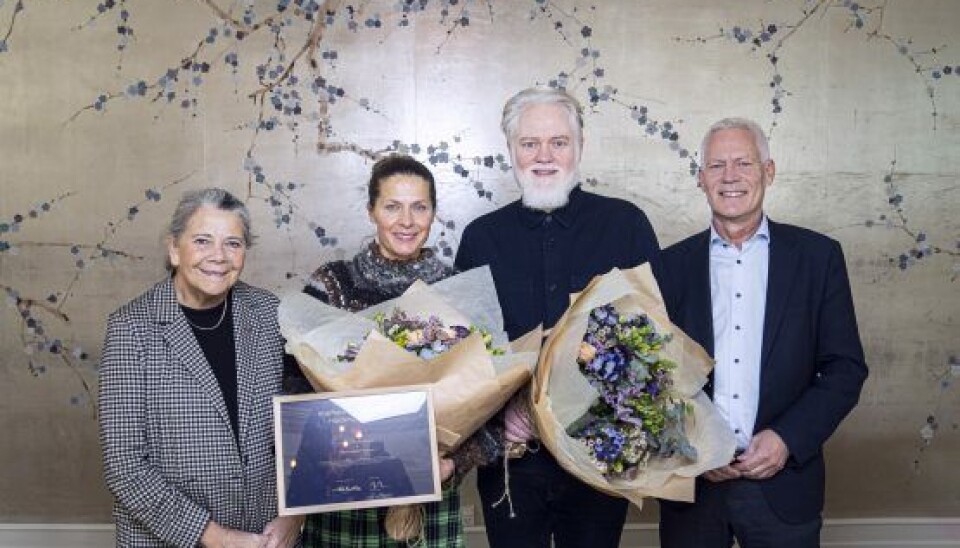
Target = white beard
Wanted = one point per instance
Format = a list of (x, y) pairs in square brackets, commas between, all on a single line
[(546, 197)]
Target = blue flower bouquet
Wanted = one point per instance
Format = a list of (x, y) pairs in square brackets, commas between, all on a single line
[(617, 393)]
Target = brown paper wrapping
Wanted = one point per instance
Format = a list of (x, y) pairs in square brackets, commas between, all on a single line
[(561, 394), (469, 385)]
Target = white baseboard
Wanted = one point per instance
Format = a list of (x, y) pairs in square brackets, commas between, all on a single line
[(59, 535), (839, 533)]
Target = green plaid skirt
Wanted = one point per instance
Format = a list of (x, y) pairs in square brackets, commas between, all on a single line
[(364, 528)]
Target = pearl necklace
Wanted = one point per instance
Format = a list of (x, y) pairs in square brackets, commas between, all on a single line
[(223, 315)]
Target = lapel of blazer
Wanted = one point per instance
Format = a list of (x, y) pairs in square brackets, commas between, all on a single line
[(179, 336), (781, 272), (700, 310), (246, 325)]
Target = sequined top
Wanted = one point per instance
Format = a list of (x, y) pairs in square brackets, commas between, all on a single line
[(370, 278)]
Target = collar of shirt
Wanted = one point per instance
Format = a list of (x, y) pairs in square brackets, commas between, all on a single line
[(762, 234), (566, 215)]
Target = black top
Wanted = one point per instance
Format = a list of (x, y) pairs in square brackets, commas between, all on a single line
[(538, 259), (220, 350)]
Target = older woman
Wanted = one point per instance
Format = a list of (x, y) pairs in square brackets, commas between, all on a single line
[(402, 200), (186, 380)]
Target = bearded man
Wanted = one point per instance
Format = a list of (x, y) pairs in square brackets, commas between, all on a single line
[(540, 249)]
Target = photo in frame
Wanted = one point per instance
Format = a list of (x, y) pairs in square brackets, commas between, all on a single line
[(355, 449)]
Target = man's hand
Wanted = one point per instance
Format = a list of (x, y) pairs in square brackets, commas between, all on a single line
[(218, 536), (765, 456), (723, 473), (518, 427)]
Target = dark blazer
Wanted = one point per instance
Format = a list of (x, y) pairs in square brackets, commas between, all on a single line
[(811, 364), (169, 454)]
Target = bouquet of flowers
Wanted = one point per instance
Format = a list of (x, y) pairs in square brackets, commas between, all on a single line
[(426, 338), (617, 393), (462, 351), (638, 414), (417, 338)]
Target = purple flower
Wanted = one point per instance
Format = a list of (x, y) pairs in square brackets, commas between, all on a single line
[(605, 315), (608, 444), (635, 415), (609, 365)]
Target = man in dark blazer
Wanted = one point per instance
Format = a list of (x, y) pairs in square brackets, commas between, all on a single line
[(772, 303)]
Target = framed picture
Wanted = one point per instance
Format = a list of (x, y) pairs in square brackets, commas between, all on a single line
[(355, 449)]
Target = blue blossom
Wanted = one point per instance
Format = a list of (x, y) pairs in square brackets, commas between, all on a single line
[(609, 366), (636, 415)]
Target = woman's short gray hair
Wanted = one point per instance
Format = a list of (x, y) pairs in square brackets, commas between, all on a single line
[(538, 96), (759, 138), (193, 200)]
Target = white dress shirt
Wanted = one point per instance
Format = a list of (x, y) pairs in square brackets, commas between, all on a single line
[(738, 291)]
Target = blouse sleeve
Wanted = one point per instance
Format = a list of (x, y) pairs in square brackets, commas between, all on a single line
[(484, 447)]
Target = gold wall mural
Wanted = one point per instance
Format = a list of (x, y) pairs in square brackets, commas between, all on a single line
[(111, 108)]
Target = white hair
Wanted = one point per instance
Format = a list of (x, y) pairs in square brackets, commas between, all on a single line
[(759, 138), (541, 96)]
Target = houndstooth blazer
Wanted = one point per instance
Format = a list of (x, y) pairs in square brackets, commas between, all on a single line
[(169, 455)]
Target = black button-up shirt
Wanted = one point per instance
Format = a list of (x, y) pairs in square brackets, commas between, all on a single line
[(538, 259)]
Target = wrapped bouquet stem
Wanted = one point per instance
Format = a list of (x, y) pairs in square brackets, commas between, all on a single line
[(617, 394)]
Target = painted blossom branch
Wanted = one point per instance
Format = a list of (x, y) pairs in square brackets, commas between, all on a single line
[(33, 326), (110, 229), (945, 379), (102, 9), (895, 199), (309, 48), (550, 7), (918, 69), (461, 20), (33, 338), (370, 154), (87, 389), (901, 47), (588, 72), (17, 8), (226, 17), (24, 305), (807, 14), (899, 222), (73, 246), (141, 87), (102, 99)]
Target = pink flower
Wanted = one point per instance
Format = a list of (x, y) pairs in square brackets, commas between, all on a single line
[(587, 352)]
